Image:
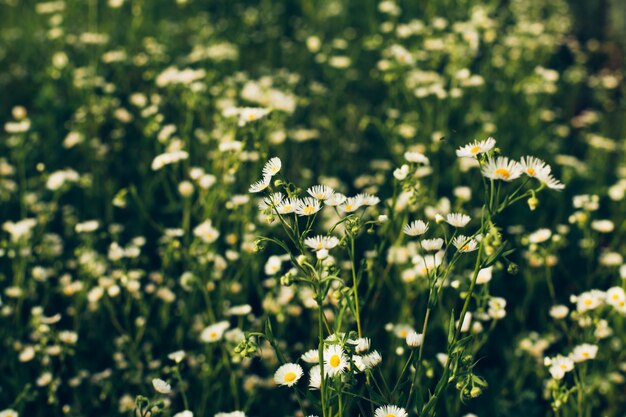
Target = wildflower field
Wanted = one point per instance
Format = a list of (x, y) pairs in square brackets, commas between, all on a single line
[(331, 208)]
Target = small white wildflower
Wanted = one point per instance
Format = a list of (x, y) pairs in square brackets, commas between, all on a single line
[(288, 374), (415, 228), (161, 386)]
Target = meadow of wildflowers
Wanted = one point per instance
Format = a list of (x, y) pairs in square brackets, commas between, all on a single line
[(329, 208)]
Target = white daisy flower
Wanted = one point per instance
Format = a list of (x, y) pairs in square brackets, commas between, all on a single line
[(372, 359), (251, 114), (534, 167), (161, 386), (307, 206), (352, 204), (540, 235), (484, 275), (231, 414), (402, 330), (239, 310), (589, 300), (321, 242), (363, 344), (321, 192), (288, 374), (357, 360), (458, 219), (315, 377), (431, 245), (368, 199), (416, 157), (616, 297), (8, 413), (390, 411), (401, 173), (336, 199), (414, 339), (177, 356), (167, 158), (465, 244), (272, 167), (311, 356), (502, 168), (415, 228), (260, 185), (185, 413), (206, 231), (551, 182), (476, 148), (214, 332), (559, 366), (271, 201), (603, 226), (584, 352), (335, 360), (287, 206), (559, 312), (496, 309)]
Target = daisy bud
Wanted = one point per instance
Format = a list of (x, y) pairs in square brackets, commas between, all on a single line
[(512, 269), (285, 280), (19, 112), (533, 202), (185, 189), (439, 218), (475, 392)]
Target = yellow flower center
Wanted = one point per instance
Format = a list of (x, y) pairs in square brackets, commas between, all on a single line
[(213, 334), (585, 354), (503, 172), (531, 171), (403, 333), (465, 248), (475, 149), (390, 415), (563, 366), (348, 207), (309, 210), (290, 377), (251, 116), (588, 302), (335, 360)]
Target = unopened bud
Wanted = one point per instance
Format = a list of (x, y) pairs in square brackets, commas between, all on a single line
[(185, 189)]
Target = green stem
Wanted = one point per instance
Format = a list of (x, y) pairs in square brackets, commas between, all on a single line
[(355, 287), (182, 389), (320, 325)]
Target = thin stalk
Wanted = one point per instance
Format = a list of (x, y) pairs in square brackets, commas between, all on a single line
[(354, 287), (320, 324), (182, 389)]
